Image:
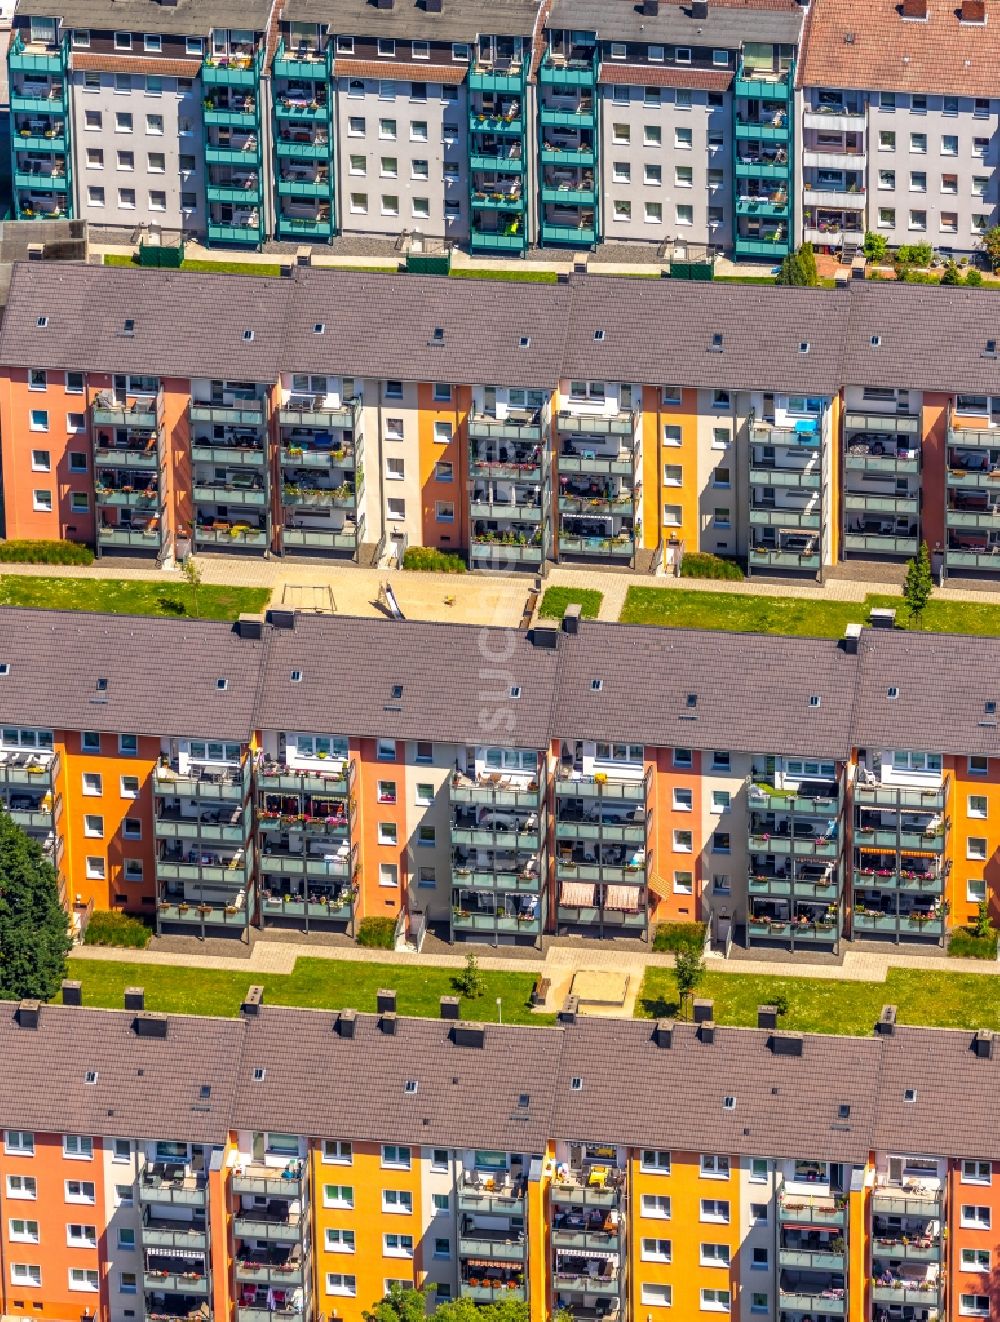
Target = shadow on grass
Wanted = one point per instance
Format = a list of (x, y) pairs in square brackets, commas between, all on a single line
[(171, 606), (658, 1007)]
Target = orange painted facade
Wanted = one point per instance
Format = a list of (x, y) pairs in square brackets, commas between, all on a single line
[(934, 467), (675, 905), (380, 786), (658, 454), (974, 813), (436, 493)]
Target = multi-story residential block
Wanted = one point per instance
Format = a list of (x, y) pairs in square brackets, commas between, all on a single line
[(294, 1164), (597, 780), (549, 433), (899, 117)]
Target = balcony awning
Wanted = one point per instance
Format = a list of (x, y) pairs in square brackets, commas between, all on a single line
[(658, 886), (487, 1262), (577, 894), (623, 897)]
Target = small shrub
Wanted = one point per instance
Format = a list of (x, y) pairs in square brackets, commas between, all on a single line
[(876, 246), (469, 982), (680, 936), (702, 564), (780, 1003), (108, 927), (377, 933), (973, 277), (431, 560), (46, 553), (964, 944), (556, 600)]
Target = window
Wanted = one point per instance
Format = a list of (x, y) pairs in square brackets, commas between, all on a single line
[(621, 134), (683, 138), (684, 215), (683, 883), (80, 1191), (79, 1236), (387, 129), (975, 1260), (121, 1150), (974, 1305), (442, 432), (949, 144), (656, 1206), (758, 1170), (714, 1167), (655, 1159), (337, 1195), (623, 210), (399, 1201), (886, 140), (395, 1157), (721, 800), (975, 890), (722, 477), (657, 1296), (978, 765), (397, 1246), (976, 1172), (76, 422), (714, 1255), (621, 172), (918, 143), (93, 826), (715, 1209), (418, 130), (22, 1231), (123, 41), (24, 1273), (978, 805), (338, 1241), (887, 217), (94, 867), (127, 1281), (975, 1217), (759, 1262), (682, 757), (720, 760), (388, 167), (123, 122), (75, 1145), (339, 1283), (918, 181), (21, 1186), (653, 213), (387, 833), (715, 1301), (41, 461), (39, 420), (976, 847), (652, 135)]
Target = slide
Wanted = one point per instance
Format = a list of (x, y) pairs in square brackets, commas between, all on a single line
[(392, 603)]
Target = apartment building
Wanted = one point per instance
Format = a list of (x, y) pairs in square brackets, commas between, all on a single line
[(899, 122), (296, 1163), (594, 780), (853, 424)]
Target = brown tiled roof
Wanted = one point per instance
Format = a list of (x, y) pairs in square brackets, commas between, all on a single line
[(145, 1087), (649, 75), (395, 70), (111, 63), (870, 45)]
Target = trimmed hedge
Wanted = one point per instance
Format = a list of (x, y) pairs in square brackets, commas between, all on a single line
[(964, 944), (701, 564), (46, 553), (108, 927), (431, 560), (377, 933), (680, 936)]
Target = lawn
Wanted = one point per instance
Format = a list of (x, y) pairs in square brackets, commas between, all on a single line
[(322, 984), (526, 276), (556, 600), (122, 596), (821, 1005), (807, 616), (200, 264)]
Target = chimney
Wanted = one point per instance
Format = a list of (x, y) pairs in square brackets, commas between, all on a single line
[(562, 278), (706, 1031), (785, 1044), (973, 11), (135, 998), (252, 1002), (851, 638), (663, 1033), (767, 1016), (886, 1021), (699, 8), (466, 1034), (385, 1001), (449, 1007), (703, 1011), (250, 626), (346, 1021), (387, 1023), (545, 636), (145, 1024), (567, 1015), (432, 6), (650, 8), (72, 993), (383, 4), (982, 1044), (571, 618), (915, 9), (28, 1012), (281, 619)]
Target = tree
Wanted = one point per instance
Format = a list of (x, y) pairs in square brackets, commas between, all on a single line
[(951, 275), (689, 969), (876, 247), (470, 981), (34, 936), (792, 271), (982, 926), (398, 1305), (919, 583), (973, 276), (464, 1310), (990, 244), (808, 259), (192, 574)]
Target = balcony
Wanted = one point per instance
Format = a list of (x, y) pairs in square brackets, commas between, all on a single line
[(763, 84), (594, 1186), (889, 1288), (174, 824), (176, 1282), (335, 782), (144, 458), (495, 1245), (274, 1227), (528, 924), (915, 1247), (830, 1302), (580, 70), (239, 413), (837, 198), (236, 70), (784, 516), (487, 1291), (770, 247), (282, 1270), (491, 1197), (810, 1210), (833, 118), (597, 1240), (833, 236), (235, 536), (564, 1282), (584, 234), (298, 411), (162, 1184), (229, 784), (771, 557), (335, 907), (163, 1233), (773, 129), (286, 1181), (811, 1259), (912, 1200)]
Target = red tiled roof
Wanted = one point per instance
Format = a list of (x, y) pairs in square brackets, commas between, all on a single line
[(870, 45), (135, 64), (647, 75), (399, 70)]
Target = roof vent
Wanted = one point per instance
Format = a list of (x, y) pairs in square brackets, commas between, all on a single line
[(42, 322), (319, 328), (599, 336), (259, 1073), (545, 637), (250, 627), (691, 700), (568, 1013), (982, 1044), (387, 1024), (28, 1012), (72, 993), (410, 1086), (886, 1021), (844, 1111), (803, 346), (663, 1033), (385, 1001), (716, 345), (729, 1103), (252, 1002), (4, 667), (438, 336), (432, 6), (135, 998), (248, 336), (145, 1024), (991, 349), (571, 618), (814, 699), (876, 340), (767, 1016), (650, 8), (129, 326), (851, 639), (785, 1044), (281, 619), (699, 8), (466, 1034), (703, 1011), (909, 1095), (892, 692), (524, 342), (90, 1077), (576, 1083), (706, 1031), (449, 1007), (296, 676), (346, 1023)]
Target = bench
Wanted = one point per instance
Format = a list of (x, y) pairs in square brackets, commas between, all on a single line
[(540, 991), (529, 609)]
